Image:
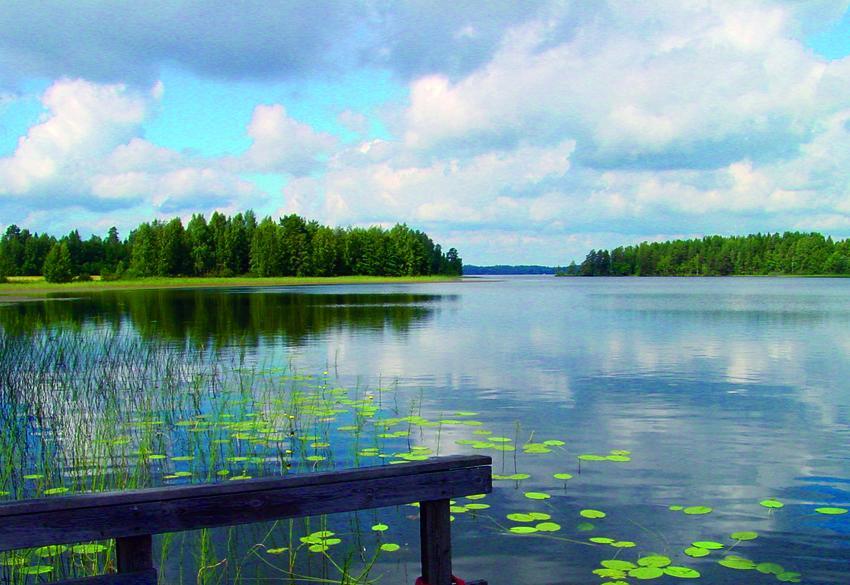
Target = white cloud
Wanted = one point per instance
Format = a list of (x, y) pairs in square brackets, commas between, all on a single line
[(282, 144), (85, 122), (638, 83)]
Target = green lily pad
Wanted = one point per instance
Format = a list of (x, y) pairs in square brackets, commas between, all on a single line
[(675, 508), (618, 564), (739, 563), (539, 516), (591, 457), (35, 570), (520, 517), (745, 535), (523, 529), (52, 550), (55, 491), (610, 573), (708, 544), (88, 549), (548, 527), (682, 572), (380, 527), (772, 503), (601, 540), (623, 544), (564, 476), (697, 510), (537, 495), (589, 513), (618, 458), (390, 547), (788, 577), (475, 506), (554, 443), (770, 568), (654, 561), (696, 552), (826, 510), (646, 573)]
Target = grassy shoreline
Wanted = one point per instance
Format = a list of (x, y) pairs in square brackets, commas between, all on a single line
[(37, 286)]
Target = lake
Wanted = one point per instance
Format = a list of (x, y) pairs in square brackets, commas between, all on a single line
[(717, 397)]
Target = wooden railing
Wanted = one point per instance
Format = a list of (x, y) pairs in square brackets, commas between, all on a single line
[(132, 517)]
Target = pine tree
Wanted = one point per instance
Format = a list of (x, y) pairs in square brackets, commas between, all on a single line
[(57, 265)]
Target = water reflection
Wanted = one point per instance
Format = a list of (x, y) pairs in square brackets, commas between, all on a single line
[(204, 317)]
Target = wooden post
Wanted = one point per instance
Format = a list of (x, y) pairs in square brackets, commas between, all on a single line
[(134, 553), (436, 542)]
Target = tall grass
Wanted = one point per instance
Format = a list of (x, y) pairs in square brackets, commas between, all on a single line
[(93, 409)]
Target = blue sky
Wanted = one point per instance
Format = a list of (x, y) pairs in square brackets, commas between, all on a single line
[(516, 132)]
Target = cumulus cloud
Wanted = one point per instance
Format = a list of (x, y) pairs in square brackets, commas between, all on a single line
[(84, 123), (282, 144), (680, 85), (86, 154)]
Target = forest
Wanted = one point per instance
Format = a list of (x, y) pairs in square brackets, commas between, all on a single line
[(791, 253), (227, 246)]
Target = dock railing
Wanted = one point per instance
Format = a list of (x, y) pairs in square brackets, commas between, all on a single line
[(133, 517)]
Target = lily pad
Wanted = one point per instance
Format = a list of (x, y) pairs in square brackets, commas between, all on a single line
[(697, 510), (696, 552), (520, 517), (601, 540), (589, 513), (745, 535), (537, 495), (610, 573), (654, 561), (88, 549), (618, 564), (826, 510), (390, 547), (35, 570), (380, 527), (539, 516), (646, 573), (772, 503), (770, 568), (564, 476), (708, 544), (739, 563), (548, 527), (523, 529), (682, 572), (623, 544)]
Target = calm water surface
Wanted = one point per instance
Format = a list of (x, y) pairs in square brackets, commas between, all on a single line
[(725, 391)]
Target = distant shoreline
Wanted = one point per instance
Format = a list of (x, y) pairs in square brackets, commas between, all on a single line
[(24, 288)]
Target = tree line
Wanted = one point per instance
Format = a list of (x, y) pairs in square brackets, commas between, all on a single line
[(227, 246), (791, 253)]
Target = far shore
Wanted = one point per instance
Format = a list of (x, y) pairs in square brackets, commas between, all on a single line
[(21, 288)]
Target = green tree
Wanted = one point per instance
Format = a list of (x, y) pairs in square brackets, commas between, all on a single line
[(57, 264)]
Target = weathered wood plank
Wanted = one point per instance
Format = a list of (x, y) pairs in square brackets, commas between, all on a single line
[(137, 578), (134, 553), (178, 492), (172, 509), (436, 542)]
